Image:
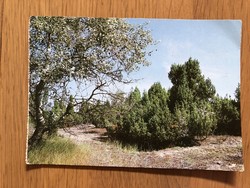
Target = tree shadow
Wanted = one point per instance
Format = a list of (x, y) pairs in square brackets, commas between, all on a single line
[(101, 133), (102, 138)]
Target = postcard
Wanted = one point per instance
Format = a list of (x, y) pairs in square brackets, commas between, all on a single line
[(130, 92)]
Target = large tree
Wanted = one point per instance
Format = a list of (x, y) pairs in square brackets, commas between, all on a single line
[(189, 85), (88, 56), (190, 99)]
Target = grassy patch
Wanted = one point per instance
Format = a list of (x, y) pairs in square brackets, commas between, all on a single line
[(127, 148), (59, 150)]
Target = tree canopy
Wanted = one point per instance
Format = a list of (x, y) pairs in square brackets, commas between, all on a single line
[(92, 54), (189, 84)]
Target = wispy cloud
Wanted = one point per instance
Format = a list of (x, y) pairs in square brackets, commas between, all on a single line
[(219, 64), (177, 51)]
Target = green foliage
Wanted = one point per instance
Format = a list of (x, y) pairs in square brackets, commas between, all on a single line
[(85, 49), (134, 97), (100, 114), (237, 98), (190, 98), (228, 116), (58, 109), (196, 121), (189, 85), (188, 112), (202, 120), (57, 150), (148, 121), (94, 53)]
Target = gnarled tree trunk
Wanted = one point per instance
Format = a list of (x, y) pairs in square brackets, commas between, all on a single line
[(40, 127)]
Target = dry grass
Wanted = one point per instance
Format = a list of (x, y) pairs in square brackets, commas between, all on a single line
[(59, 150), (90, 149)]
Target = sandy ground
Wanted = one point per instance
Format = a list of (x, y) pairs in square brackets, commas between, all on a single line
[(215, 153)]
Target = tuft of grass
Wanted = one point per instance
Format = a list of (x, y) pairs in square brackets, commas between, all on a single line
[(57, 150), (128, 148)]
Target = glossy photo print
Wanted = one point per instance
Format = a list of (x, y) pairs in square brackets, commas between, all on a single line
[(147, 93)]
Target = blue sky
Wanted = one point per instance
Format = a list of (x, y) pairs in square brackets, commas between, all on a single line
[(214, 43)]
